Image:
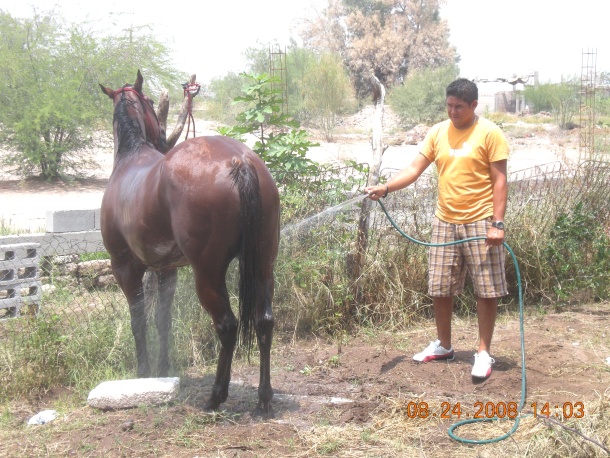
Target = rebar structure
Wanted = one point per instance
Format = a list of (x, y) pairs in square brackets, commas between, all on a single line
[(277, 69), (587, 103)]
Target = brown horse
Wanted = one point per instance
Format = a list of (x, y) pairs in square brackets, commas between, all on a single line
[(203, 203)]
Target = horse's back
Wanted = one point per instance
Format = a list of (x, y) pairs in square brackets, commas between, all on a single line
[(206, 163), (202, 190), (210, 153)]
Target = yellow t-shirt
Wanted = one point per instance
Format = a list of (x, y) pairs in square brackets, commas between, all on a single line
[(463, 157)]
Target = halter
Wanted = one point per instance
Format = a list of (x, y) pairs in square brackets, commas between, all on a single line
[(146, 107), (190, 91)]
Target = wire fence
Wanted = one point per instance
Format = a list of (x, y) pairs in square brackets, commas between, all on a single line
[(70, 283)]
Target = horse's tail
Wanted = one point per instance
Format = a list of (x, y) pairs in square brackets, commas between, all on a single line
[(245, 179)]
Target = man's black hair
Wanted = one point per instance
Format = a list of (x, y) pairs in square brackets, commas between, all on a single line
[(463, 89)]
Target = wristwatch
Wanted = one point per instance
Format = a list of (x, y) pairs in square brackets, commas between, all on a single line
[(498, 225)]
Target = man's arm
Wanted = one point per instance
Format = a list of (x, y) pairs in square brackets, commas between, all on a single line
[(405, 177), (500, 198)]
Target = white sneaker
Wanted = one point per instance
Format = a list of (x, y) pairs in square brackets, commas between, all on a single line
[(434, 351), (482, 365)]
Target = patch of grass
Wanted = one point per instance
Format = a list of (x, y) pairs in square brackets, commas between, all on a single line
[(334, 361), (329, 447), (100, 255), (56, 348), (6, 418), (306, 371), (7, 228), (501, 118)]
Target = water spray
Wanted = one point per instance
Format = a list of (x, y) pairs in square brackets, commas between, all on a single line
[(318, 216)]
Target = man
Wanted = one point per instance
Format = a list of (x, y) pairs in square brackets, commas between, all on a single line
[(471, 155)]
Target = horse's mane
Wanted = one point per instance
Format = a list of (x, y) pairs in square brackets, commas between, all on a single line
[(129, 134)]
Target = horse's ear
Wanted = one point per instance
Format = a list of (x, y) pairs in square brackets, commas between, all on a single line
[(138, 84), (106, 90)]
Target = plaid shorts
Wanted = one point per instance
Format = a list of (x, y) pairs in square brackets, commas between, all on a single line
[(448, 264)]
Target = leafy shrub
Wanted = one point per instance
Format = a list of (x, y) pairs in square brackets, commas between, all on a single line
[(561, 100), (578, 252), (280, 142)]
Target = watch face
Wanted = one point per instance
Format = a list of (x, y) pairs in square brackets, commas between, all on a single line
[(498, 225)]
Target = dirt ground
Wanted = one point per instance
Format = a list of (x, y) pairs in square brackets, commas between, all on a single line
[(351, 398)]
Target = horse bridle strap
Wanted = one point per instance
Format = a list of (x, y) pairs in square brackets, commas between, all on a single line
[(190, 91), (128, 89)]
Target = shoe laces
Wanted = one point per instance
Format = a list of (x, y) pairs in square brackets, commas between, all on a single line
[(484, 357)]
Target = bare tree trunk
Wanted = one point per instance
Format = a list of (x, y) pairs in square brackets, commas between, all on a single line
[(377, 141), (163, 110), (356, 263)]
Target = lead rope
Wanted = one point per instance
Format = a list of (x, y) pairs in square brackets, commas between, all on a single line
[(190, 91), (517, 418)]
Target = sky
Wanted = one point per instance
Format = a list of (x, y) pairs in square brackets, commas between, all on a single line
[(495, 39)]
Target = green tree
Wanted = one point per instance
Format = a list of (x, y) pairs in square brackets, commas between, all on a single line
[(327, 92), (299, 63), (539, 98), (49, 95), (422, 97), (222, 91), (561, 100), (257, 58), (219, 96), (280, 142)]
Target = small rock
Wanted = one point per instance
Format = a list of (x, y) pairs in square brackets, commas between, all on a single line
[(43, 417), (127, 426)]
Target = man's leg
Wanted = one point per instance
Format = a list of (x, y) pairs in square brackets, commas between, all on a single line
[(439, 349), (443, 311), (486, 311)]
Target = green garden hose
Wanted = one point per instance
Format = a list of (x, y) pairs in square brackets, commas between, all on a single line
[(517, 418)]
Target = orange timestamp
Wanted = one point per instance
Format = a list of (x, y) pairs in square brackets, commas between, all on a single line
[(564, 410), (448, 410)]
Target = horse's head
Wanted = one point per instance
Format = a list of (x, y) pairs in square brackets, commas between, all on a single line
[(140, 109)]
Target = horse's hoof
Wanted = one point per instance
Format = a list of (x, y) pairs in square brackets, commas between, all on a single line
[(264, 407), (211, 405)]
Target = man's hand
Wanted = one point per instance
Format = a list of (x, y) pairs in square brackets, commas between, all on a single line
[(375, 192), (495, 237)]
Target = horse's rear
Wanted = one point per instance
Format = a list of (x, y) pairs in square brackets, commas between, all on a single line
[(204, 203), (224, 204)]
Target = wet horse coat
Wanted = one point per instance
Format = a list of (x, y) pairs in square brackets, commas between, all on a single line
[(203, 203)]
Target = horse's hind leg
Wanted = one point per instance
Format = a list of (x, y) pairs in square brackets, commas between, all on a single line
[(212, 292), (264, 333), (166, 280)]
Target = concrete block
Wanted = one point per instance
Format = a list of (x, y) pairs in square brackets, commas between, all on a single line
[(27, 252), (19, 278), (66, 243), (123, 394), (70, 220)]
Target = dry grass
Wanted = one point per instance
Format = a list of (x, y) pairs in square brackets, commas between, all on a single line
[(391, 432)]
